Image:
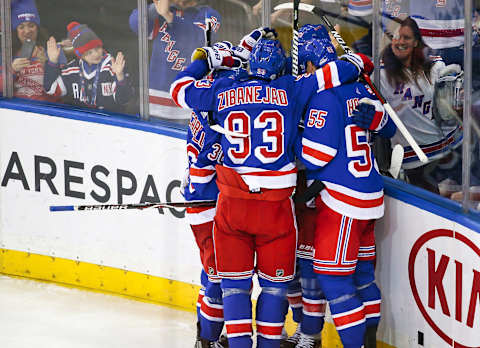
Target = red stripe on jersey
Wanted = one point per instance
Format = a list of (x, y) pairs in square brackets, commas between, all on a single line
[(294, 300), (270, 330), (178, 87), (321, 156), (356, 202), (271, 173), (442, 32), (201, 172), (342, 320), (200, 299), (194, 210), (161, 101), (327, 76), (69, 70), (211, 311), (156, 28), (318, 307), (372, 308), (377, 118), (245, 328), (362, 3)]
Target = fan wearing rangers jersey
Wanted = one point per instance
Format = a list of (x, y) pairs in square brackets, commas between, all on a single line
[(336, 152), (176, 28), (254, 210), (408, 79), (95, 80)]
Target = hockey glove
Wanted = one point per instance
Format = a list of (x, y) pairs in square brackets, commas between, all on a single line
[(218, 57), (242, 53), (450, 70), (370, 114), (361, 61), (251, 39)]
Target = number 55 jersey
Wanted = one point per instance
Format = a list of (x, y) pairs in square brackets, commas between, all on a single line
[(337, 152)]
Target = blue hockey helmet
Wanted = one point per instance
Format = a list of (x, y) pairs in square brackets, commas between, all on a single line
[(234, 74), (313, 31), (267, 59), (318, 51)]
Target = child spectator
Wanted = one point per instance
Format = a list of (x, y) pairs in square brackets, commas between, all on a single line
[(28, 65), (95, 80)]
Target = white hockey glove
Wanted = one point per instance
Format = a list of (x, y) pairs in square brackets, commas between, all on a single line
[(448, 94), (241, 53), (250, 40), (185, 181), (218, 57), (450, 70), (355, 59)]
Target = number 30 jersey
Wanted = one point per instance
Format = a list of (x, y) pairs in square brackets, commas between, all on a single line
[(337, 152), (268, 111)]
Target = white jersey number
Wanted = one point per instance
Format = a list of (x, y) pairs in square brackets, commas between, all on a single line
[(356, 147), (272, 147)]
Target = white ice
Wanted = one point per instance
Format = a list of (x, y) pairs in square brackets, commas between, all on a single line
[(45, 315)]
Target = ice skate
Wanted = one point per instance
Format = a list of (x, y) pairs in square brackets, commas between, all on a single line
[(292, 341), (202, 343), (307, 341)]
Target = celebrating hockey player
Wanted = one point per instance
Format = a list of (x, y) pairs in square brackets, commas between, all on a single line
[(204, 152), (336, 153), (254, 210)]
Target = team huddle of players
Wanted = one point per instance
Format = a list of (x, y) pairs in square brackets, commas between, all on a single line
[(283, 135)]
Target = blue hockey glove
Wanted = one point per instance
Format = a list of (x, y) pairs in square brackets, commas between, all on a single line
[(370, 114)]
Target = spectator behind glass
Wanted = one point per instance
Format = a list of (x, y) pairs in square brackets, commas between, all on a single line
[(407, 81), (28, 70), (95, 79), (176, 28)]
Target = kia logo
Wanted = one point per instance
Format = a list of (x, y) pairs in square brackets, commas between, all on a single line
[(444, 274)]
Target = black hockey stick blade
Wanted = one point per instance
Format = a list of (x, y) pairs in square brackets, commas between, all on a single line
[(140, 206)]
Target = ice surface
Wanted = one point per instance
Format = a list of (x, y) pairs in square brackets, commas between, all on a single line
[(46, 315)]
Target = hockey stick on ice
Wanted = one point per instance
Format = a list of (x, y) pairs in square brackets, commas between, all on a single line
[(401, 127), (214, 126), (140, 206)]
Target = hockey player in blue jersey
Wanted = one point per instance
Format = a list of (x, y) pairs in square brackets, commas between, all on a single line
[(303, 292), (254, 209), (336, 152), (204, 152)]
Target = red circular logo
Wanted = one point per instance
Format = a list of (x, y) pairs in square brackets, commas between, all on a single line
[(411, 274)]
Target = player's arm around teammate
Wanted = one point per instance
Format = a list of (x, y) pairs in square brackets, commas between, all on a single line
[(337, 153)]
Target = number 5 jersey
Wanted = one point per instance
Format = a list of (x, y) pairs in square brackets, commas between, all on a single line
[(336, 152)]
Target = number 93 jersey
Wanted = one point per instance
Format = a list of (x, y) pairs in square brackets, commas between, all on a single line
[(268, 111), (337, 152)]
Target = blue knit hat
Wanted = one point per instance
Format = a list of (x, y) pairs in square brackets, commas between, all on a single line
[(24, 11)]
